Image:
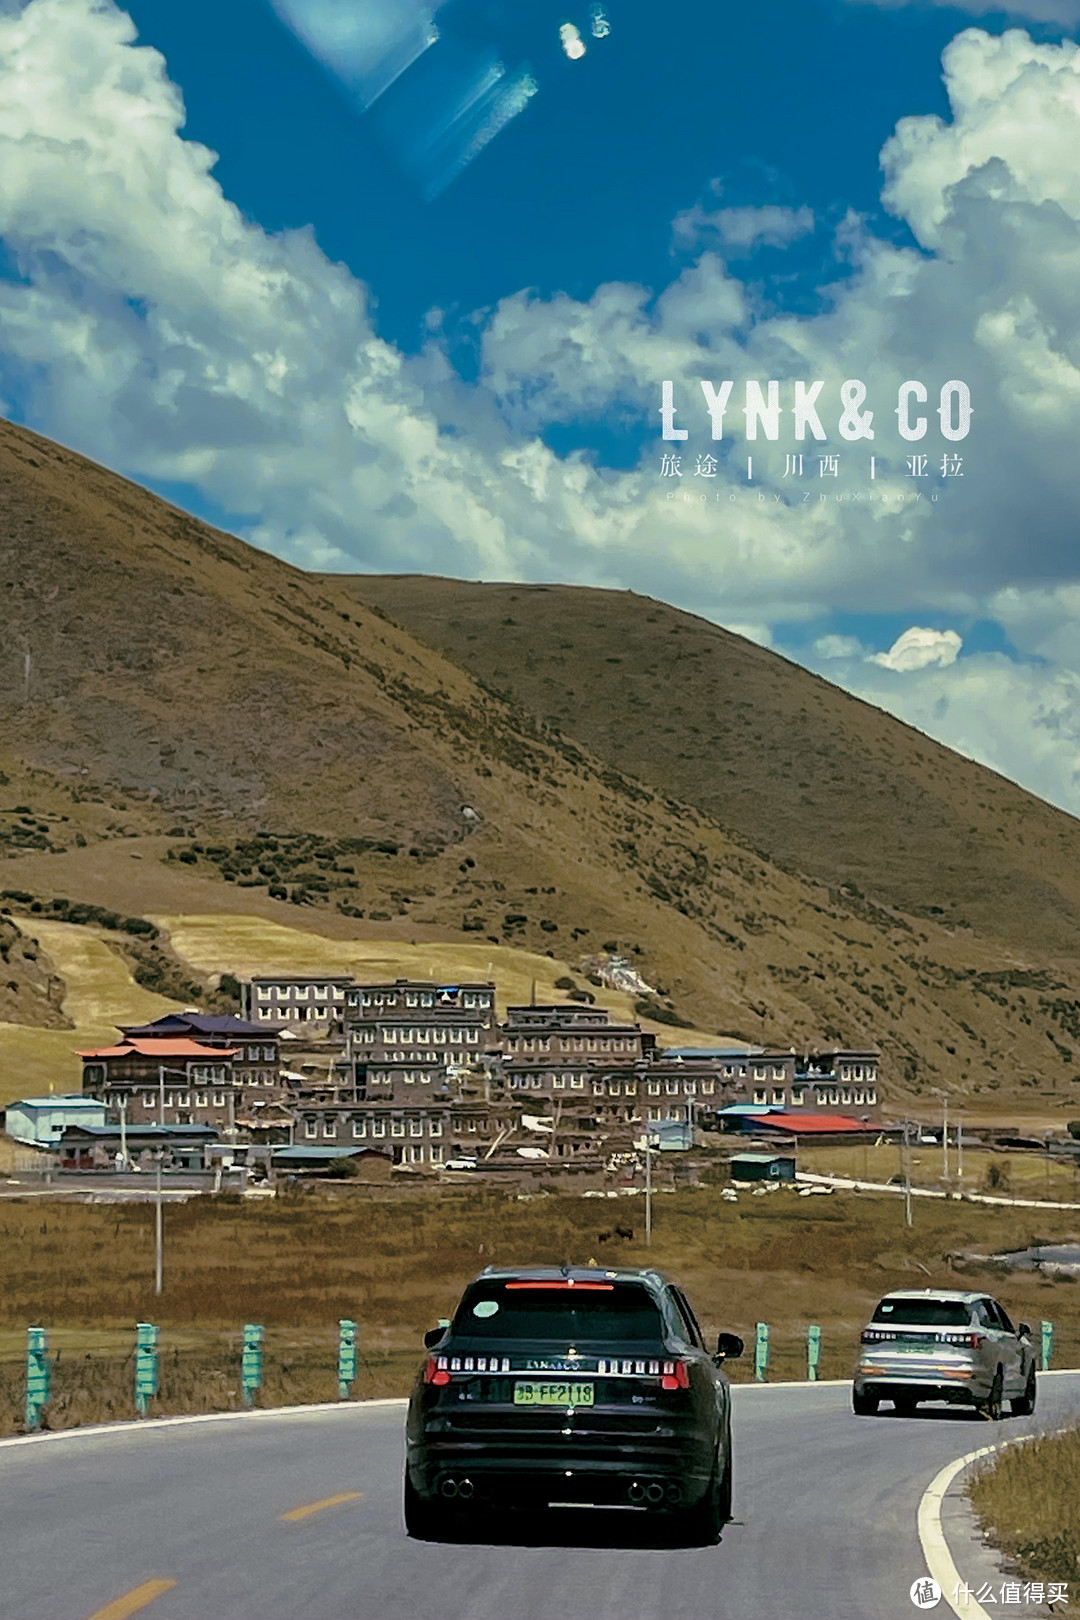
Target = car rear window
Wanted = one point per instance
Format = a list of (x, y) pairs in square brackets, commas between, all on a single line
[(924, 1312), (501, 1310)]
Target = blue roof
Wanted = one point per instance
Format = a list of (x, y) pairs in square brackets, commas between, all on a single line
[(302, 1153), (60, 1099), (751, 1108)]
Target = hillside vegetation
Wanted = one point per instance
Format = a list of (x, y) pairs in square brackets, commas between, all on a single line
[(192, 726)]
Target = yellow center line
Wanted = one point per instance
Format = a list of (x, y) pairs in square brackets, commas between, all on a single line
[(294, 1515), (133, 1601)]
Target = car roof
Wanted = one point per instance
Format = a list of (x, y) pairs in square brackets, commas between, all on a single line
[(959, 1295), (654, 1279)]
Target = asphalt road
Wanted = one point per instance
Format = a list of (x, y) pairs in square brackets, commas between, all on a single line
[(825, 1525)]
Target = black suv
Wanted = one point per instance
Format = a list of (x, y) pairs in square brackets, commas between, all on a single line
[(571, 1387)]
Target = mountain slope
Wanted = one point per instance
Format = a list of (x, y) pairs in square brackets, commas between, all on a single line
[(813, 776), (170, 693)]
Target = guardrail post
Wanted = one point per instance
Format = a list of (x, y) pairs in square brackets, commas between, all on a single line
[(761, 1351), (1047, 1344), (146, 1365), (37, 1375), (251, 1363), (813, 1351), (346, 1358)]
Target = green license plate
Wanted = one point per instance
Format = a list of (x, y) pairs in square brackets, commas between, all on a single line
[(551, 1394)]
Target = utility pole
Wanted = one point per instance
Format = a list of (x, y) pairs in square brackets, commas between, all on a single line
[(960, 1150), (159, 1234), (648, 1190), (945, 1137)]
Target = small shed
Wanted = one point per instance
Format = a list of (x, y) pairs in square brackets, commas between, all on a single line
[(762, 1167), (41, 1121)]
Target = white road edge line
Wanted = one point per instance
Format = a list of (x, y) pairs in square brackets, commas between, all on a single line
[(141, 1425), (935, 1548)]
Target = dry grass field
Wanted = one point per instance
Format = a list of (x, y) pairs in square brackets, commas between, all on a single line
[(1028, 1500), (396, 1265), (99, 994)]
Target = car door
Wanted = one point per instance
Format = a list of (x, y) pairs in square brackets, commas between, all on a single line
[(1000, 1345), (1016, 1377), (691, 1331)]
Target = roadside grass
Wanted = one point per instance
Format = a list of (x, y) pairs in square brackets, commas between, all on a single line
[(1028, 1500), (396, 1264)]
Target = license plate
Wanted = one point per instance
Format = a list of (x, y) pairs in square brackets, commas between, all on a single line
[(551, 1394)]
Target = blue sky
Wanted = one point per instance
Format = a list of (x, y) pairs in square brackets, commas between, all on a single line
[(303, 309)]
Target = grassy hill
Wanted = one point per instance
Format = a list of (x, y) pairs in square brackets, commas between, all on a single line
[(815, 777), (192, 727)]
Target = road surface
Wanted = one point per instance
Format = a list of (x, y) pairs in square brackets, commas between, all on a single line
[(298, 1517)]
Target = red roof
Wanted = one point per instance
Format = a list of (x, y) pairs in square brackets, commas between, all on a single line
[(814, 1124), (172, 1046)]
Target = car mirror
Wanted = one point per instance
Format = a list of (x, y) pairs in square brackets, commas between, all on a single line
[(1023, 1331), (434, 1335), (729, 1346)]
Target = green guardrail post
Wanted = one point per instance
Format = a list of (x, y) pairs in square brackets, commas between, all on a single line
[(37, 1375), (761, 1351), (813, 1351), (346, 1358), (146, 1365), (1047, 1344), (251, 1363)]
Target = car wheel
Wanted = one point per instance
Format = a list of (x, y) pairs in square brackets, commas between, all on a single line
[(863, 1404), (424, 1521), (725, 1492), (1023, 1405), (905, 1405), (704, 1521), (991, 1407)]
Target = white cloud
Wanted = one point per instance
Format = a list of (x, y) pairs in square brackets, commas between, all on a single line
[(156, 328), (742, 228), (918, 648), (1065, 13), (834, 647)]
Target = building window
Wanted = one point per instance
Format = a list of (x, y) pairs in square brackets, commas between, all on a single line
[(435, 1127), (778, 1095), (416, 1127), (708, 1087), (871, 1097), (311, 1128), (268, 1054), (359, 1127), (329, 1127), (654, 1088), (578, 1082), (378, 1127), (397, 1127), (759, 1096), (436, 1155), (202, 1099)]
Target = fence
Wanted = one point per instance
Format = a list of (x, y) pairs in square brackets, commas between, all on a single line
[(66, 1378)]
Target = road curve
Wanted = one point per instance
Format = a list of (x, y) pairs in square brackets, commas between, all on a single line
[(298, 1517)]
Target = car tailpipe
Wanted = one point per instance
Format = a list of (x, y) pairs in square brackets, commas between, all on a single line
[(465, 1490), (654, 1493), (448, 1488), (636, 1493)]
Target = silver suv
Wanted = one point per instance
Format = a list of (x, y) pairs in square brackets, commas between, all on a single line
[(935, 1344)]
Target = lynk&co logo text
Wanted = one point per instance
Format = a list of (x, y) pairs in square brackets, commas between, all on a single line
[(762, 411)]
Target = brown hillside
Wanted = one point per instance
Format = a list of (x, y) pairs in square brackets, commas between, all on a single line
[(162, 682), (812, 776)]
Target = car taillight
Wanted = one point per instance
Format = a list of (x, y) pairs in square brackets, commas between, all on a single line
[(970, 1341), (876, 1335), (675, 1375), (436, 1370)]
